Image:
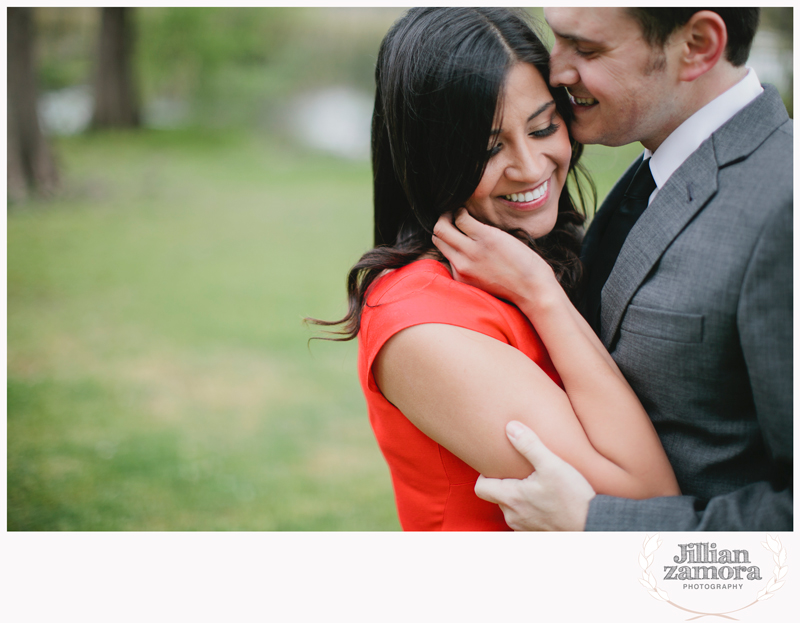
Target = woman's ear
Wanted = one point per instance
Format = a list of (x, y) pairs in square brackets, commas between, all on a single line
[(704, 39)]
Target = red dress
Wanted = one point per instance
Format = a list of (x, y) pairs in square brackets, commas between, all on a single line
[(433, 487)]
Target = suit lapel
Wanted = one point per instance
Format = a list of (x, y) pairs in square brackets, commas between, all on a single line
[(676, 203), (679, 200)]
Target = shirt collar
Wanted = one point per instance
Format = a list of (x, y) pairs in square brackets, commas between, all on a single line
[(688, 136)]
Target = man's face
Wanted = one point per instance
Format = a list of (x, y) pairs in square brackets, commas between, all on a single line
[(622, 90)]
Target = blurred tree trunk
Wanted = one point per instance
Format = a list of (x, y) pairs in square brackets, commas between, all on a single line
[(116, 103), (31, 167)]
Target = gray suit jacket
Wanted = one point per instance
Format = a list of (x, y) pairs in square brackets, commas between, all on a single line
[(697, 313)]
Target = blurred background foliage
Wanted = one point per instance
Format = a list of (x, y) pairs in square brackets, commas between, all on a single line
[(221, 66), (159, 376)]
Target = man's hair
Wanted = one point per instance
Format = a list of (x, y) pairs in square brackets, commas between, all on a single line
[(658, 24)]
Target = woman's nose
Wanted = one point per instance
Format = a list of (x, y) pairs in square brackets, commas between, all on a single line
[(527, 164), (562, 73)]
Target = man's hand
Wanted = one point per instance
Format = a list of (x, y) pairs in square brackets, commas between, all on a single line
[(554, 497)]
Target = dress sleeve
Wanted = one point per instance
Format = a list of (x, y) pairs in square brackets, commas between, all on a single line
[(424, 298)]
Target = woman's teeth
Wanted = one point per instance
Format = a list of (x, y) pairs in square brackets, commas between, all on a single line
[(531, 195)]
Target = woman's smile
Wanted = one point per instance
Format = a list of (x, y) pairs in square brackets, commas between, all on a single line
[(529, 199)]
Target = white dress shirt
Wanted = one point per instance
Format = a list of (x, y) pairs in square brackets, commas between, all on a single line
[(688, 136)]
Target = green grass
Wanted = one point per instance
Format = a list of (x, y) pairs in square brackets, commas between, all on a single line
[(159, 376)]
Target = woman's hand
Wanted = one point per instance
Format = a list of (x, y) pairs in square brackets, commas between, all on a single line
[(491, 259)]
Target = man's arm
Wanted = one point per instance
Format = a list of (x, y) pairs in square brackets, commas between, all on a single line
[(556, 497), (757, 507)]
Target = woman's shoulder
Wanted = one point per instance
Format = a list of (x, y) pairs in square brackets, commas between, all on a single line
[(413, 278), (428, 278), (425, 292)]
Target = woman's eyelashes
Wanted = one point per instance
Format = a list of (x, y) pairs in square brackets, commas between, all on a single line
[(543, 133), (548, 131)]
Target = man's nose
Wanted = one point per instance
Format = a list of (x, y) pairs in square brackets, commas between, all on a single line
[(562, 73)]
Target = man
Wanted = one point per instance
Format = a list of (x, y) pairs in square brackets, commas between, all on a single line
[(696, 308)]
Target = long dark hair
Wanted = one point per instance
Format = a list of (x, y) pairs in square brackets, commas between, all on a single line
[(439, 77)]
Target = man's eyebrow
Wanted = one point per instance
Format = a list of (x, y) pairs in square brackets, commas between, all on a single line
[(535, 114)]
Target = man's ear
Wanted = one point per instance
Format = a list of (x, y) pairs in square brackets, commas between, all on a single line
[(703, 41)]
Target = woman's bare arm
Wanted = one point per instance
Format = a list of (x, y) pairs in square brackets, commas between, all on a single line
[(460, 388), (599, 395), (498, 263)]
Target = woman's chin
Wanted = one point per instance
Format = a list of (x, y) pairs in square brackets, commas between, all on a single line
[(545, 223)]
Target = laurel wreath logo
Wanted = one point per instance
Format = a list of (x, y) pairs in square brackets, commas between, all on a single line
[(648, 580)]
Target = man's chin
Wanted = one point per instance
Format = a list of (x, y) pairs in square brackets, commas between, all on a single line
[(585, 134), (593, 134)]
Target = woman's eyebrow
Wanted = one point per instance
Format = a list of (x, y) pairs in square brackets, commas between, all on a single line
[(575, 38), (535, 114), (541, 109)]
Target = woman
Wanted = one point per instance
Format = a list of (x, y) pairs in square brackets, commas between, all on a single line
[(464, 116)]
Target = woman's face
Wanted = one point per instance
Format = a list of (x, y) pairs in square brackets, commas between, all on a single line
[(530, 158)]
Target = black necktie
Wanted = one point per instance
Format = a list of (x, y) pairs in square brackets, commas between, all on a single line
[(633, 204)]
